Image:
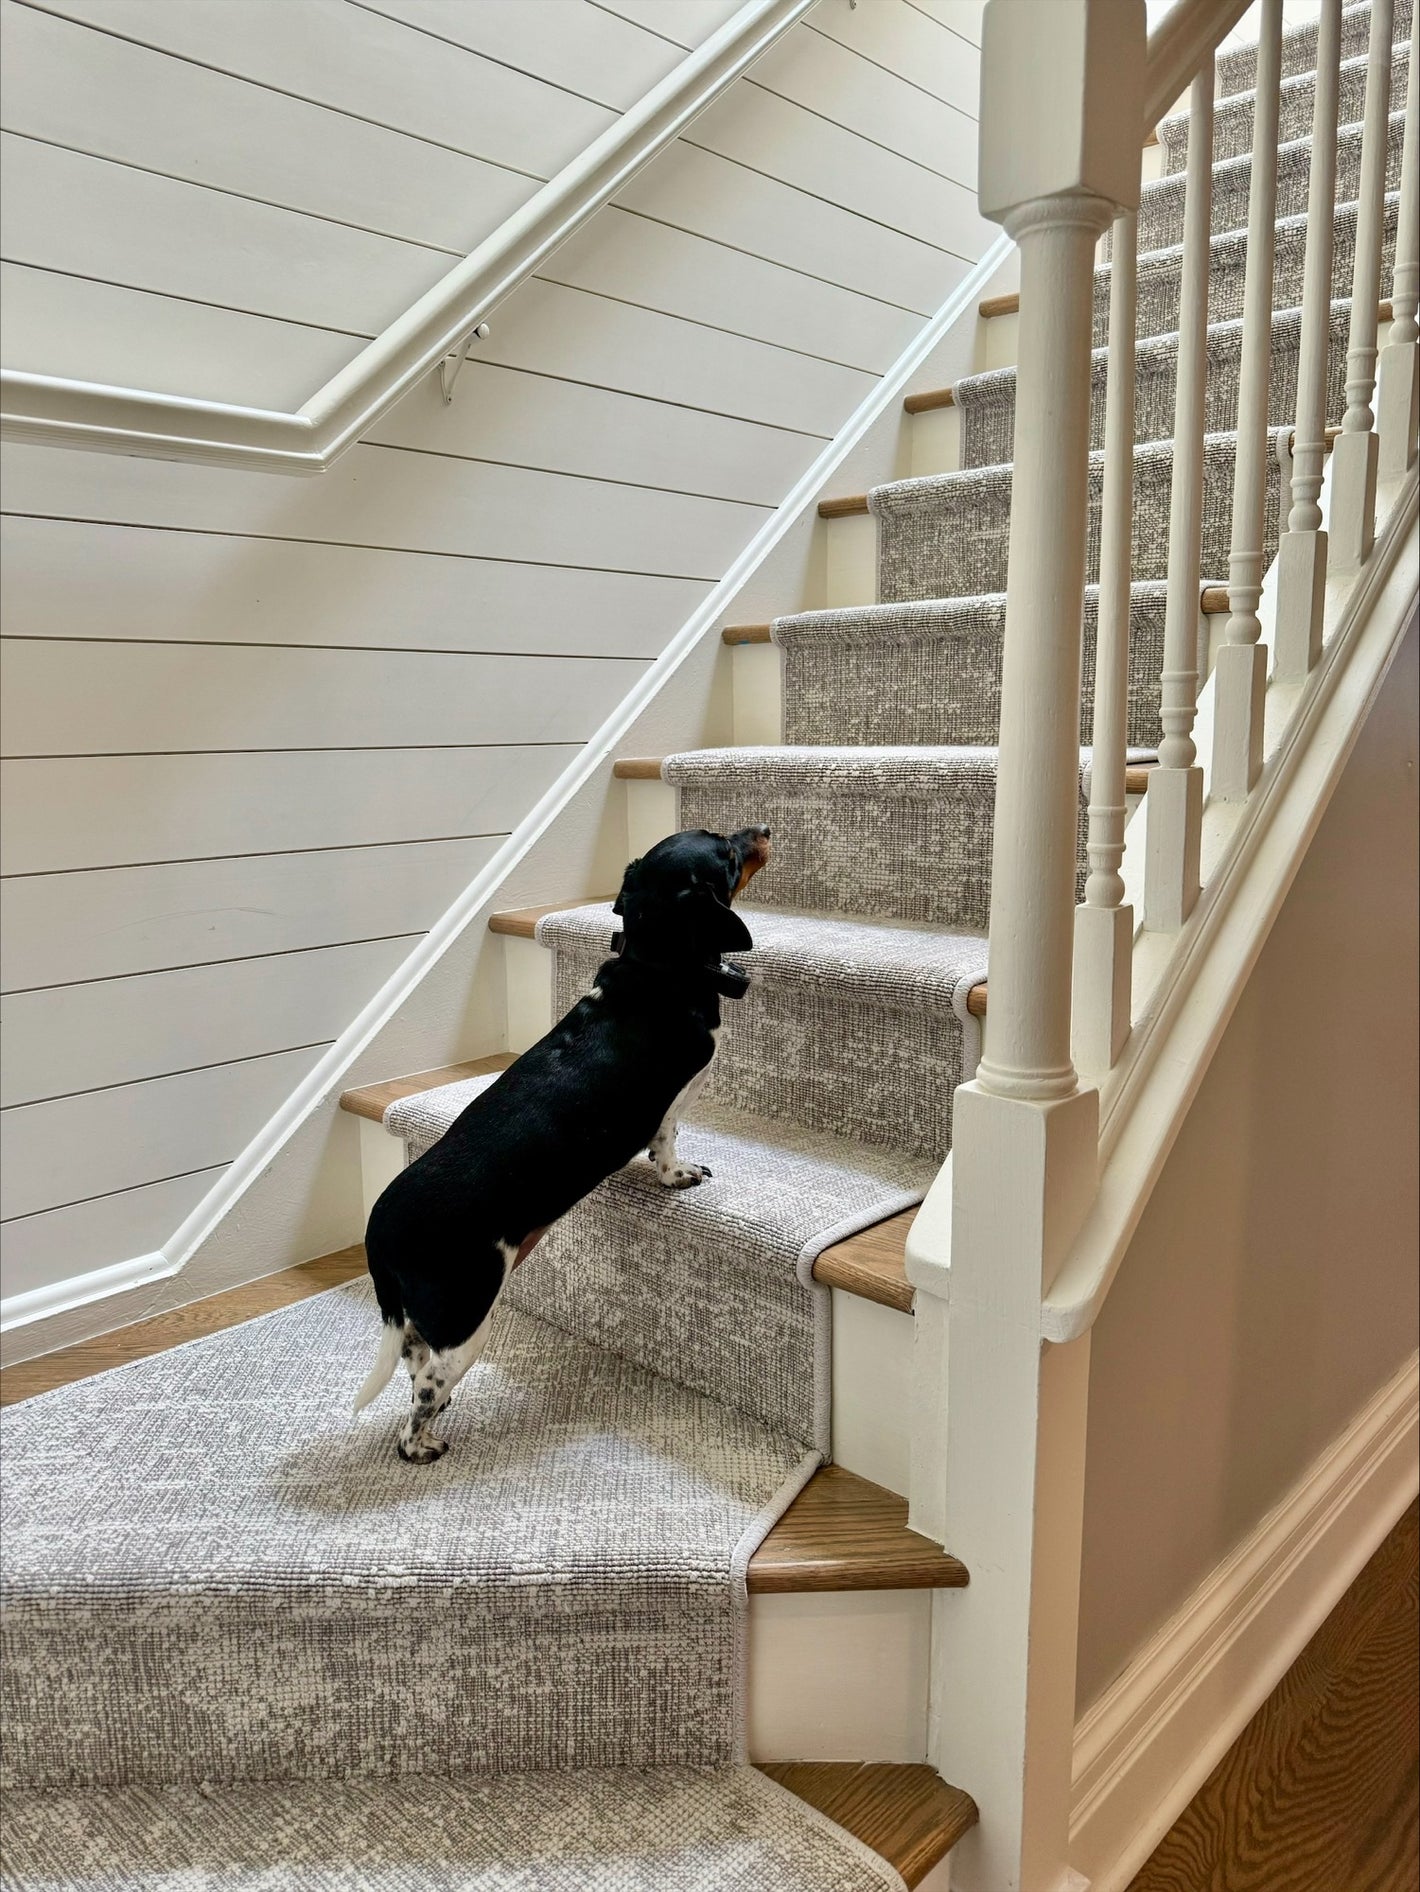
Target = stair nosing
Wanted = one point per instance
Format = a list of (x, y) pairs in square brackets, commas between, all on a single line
[(901, 1810)]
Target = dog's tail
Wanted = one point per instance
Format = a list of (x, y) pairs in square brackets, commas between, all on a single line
[(386, 1360)]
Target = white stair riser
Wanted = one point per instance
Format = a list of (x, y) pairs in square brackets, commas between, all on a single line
[(936, 442), (934, 446), (996, 342), (839, 1675), (757, 694), (850, 561)]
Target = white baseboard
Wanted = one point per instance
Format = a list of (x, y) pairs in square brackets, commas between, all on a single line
[(1144, 1749), (35, 1321)]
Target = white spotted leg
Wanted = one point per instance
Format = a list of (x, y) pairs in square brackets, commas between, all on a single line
[(672, 1172), (434, 1379)]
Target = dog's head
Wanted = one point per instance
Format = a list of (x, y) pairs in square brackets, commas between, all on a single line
[(674, 902)]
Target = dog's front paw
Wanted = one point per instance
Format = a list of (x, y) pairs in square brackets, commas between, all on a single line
[(683, 1175), (422, 1449)]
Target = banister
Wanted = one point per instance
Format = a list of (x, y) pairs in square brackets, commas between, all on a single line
[(53, 410), (1178, 46)]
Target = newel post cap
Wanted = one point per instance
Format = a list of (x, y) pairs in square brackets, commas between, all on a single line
[(1062, 98)]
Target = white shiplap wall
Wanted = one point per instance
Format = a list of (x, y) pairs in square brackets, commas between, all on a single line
[(258, 732)]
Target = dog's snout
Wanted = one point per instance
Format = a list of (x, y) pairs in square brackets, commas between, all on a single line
[(754, 850)]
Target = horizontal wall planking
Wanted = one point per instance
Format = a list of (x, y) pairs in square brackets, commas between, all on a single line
[(64, 929), (962, 17), (37, 1250), (698, 190), (118, 811), (623, 255), (688, 22), (824, 75), (572, 333), (357, 61), (519, 418), (76, 329), (103, 1141), (70, 86), (419, 502), (94, 218), (117, 1031), (909, 42), (66, 698), (77, 578), (788, 141), (592, 53)]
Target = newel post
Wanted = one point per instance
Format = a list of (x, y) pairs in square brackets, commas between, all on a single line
[(999, 1454)]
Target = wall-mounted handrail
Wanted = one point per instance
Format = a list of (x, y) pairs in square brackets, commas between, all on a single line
[(55, 411)]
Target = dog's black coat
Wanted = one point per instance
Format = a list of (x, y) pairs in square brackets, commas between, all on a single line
[(577, 1106)]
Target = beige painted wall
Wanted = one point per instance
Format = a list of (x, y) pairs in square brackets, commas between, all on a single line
[(1272, 1285)]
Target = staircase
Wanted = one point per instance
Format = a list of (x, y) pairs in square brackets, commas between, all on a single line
[(246, 1646)]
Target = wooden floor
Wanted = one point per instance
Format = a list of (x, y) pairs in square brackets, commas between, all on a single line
[(1320, 1793)]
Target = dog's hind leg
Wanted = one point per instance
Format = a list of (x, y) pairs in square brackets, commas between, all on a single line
[(672, 1172), (434, 1381)]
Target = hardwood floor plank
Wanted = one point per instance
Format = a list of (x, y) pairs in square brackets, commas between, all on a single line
[(906, 1813), (1319, 1793)]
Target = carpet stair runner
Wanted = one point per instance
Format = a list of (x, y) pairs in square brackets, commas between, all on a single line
[(245, 1646)]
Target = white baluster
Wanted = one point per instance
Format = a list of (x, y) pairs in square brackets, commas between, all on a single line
[(1174, 807), (1062, 114), (1301, 558), (1104, 926), (1399, 382), (1240, 678), (1355, 453)]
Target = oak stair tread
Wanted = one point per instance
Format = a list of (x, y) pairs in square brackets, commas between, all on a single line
[(842, 1532), (648, 769), (902, 1810), (871, 1264), (1213, 602)]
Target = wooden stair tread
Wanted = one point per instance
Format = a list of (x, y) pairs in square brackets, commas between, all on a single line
[(645, 768), (373, 1100), (904, 1811), (872, 1263), (849, 508), (747, 634), (844, 1533), (990, 306), (928, 400), (521, 922)]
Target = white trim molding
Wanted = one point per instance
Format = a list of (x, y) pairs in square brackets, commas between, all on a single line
[(50, 410), (1146, 1746)]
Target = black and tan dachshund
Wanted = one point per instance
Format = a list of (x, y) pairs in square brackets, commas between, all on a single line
[(612, 1078)]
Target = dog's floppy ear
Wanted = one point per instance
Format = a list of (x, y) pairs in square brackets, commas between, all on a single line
[(619, 904), (720, 927)]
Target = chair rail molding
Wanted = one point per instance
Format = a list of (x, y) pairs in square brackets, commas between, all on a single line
[(50, 410)]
